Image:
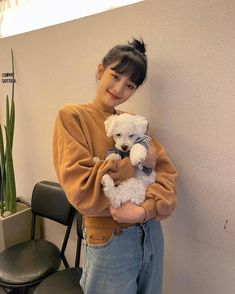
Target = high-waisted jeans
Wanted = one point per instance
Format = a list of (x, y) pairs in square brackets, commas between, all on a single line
[(128, 263)]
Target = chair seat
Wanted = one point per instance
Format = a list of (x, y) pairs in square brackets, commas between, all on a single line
[(28, 262), (62, 282)]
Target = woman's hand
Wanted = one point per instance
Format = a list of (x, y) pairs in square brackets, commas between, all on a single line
[(121, 170), (128, 213), (150, 160)]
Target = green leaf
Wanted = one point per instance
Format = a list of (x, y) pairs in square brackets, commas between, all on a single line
[(13, 73), (2, 170), (12, 123), (10, 200), (2, 159), (7, 112)]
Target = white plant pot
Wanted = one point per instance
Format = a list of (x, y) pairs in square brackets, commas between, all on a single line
[(15, 228)]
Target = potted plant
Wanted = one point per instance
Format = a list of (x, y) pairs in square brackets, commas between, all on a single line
[(8, 187), (15, 215)]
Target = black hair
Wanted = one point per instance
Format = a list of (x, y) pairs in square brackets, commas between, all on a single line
[(131, 60)]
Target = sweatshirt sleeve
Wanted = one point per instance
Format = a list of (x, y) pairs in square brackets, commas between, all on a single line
[(79, 176), (161, 196)]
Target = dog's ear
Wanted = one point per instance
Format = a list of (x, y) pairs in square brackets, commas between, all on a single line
[(110, 124), (142, 125)]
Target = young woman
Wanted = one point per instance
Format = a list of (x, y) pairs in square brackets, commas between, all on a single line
[(124, 251)]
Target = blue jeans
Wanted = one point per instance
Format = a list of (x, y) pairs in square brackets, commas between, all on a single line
[(129, 263)]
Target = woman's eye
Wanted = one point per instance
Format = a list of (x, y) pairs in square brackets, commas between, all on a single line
[(115, 77), (131, 87)]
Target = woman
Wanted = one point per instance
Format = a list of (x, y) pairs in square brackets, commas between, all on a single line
[(124, 252)]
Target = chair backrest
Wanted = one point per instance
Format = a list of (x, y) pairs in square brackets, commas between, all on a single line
[(79, 238), (49, 200)]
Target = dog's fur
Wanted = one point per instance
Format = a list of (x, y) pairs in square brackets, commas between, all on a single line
[(128, 131)]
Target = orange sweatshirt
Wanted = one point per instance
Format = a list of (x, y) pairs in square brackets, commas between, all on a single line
[(79, 135)]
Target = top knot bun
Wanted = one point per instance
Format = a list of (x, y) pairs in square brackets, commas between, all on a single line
[(138, 45)]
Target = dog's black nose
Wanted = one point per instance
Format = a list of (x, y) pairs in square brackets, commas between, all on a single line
[(124, 147)]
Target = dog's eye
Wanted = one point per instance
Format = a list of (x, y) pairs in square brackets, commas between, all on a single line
[(131, 136), (118, 135)]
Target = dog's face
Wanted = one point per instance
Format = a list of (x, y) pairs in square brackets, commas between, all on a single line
[(124, 139), (125, 129)]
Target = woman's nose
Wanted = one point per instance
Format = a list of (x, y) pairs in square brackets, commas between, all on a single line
[(118, 88)]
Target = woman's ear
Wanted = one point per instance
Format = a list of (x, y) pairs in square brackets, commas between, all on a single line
[(100, 71)]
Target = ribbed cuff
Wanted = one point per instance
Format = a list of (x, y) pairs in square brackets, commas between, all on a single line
[(150, 209)]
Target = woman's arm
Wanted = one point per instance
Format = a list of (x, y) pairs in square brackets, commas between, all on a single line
[(79, 176), (160, 196)]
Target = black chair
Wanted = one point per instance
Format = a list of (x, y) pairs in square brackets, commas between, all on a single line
[(26, 264), (67, 280)]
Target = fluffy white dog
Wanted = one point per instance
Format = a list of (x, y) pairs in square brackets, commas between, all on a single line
[(128, 132)]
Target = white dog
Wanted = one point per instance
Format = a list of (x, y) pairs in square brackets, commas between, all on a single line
[(128, 132)]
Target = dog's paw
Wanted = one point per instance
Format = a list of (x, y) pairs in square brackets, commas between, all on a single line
[(95, 159), (138, 153), (138, 200), (115, 203), (107, 181), (113, 156)]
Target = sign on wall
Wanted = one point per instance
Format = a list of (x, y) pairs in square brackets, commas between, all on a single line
[(8, 77)]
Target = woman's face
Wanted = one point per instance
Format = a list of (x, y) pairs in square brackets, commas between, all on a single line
[(113, 88)]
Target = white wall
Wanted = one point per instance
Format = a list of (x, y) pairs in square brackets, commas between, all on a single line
[(188, 98), (193, 78)]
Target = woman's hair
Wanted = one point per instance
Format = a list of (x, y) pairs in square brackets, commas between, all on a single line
[(130, 60)]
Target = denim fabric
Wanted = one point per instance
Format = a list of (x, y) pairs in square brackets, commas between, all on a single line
[(128, 263)]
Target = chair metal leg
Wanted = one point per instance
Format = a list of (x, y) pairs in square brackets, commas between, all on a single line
[(23, 290)]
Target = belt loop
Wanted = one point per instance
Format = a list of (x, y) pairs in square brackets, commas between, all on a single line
[(117, 231)]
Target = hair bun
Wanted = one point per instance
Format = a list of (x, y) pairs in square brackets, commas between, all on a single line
[(138, 45)]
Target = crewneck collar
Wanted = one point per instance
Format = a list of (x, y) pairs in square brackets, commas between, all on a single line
[(100, 108)]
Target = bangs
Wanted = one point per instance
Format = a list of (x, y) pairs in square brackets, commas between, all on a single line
[(131, 66)]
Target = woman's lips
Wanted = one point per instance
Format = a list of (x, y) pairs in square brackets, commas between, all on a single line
[(113, 96)]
